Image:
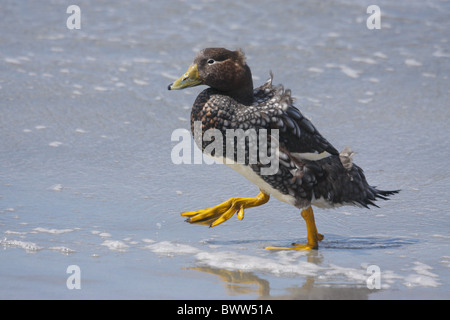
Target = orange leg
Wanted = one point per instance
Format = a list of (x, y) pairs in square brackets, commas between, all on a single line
[(312, 236)]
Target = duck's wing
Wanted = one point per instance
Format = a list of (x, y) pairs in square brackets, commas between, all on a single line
[(297, 134)]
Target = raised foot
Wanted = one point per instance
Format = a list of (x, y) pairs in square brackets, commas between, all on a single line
[(224, 211)]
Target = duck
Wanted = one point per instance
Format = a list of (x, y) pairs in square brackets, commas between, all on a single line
[(309, 170)]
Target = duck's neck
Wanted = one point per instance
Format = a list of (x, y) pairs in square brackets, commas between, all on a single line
[(243, 93)]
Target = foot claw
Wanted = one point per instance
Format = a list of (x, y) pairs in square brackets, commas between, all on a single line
[(240, 214)]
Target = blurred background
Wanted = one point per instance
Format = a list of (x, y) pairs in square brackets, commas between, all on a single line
[(86, 176)]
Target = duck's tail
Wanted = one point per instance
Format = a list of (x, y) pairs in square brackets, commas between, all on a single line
[(375, 194)]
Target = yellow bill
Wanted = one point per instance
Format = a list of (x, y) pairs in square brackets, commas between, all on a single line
[(189, 79)]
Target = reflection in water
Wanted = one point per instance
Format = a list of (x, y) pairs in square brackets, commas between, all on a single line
[(325, 285), (238, 282)]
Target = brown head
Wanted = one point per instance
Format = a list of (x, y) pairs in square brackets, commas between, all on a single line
[(221, 69)]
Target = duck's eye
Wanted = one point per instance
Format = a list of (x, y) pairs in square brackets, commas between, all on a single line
[(211, 61)]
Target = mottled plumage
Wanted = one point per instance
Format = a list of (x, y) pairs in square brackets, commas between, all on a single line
[(311, 170), (323, 182)]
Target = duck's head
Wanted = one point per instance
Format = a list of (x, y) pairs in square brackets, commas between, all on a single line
[(221, 69)]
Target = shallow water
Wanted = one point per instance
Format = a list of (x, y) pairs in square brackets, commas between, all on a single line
[(86, 176)]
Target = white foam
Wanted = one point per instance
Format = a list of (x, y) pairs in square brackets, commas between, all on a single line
[(56, 188), (53, 231), (423, 276), (63, 250), (115, 245), (55, 144), (13, 61), (445, 260), (365, 100), (168, 247), (10, 232), (131, 241), (364, 60), (335, 271), (104, 234), (352, 73), (283, 264), (101, 234), (412, 63), (441, 236), (316, 70), (27, 246), (440, 54), (424, 269), (99, 88), (140, 82), (380, 55)]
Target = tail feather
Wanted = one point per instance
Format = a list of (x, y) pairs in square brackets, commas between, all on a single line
[(377, 194), (383, 194)]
